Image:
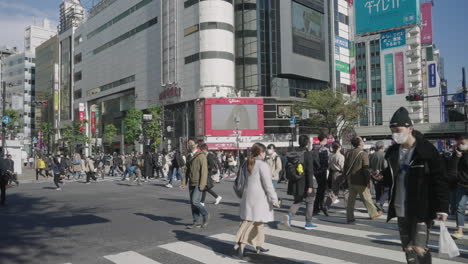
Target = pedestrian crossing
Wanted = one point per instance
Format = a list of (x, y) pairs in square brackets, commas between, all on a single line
[(328, 244)]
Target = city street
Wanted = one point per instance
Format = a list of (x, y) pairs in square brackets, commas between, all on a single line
[(114, 222)]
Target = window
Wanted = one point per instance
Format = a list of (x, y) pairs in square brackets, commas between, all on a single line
[(78, 40), (77, 58), (77, 76), (77, 94)]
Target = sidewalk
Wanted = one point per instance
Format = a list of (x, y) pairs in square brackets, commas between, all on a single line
[(29, 176)]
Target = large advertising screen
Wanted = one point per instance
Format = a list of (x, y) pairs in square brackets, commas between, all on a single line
[(376, 15), (227, 115), (308, 31)]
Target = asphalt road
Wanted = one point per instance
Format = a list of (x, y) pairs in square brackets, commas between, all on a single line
[(114, 222)]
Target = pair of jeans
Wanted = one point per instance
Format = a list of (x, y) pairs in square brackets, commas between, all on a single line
[(177, 172), (364, 193), (322, 187), (197, 209), (275, 183), (381, 193), (414, 233), (309, 200), (462, 198)]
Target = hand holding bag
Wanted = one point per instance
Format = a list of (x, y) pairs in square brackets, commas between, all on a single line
[(446, 243)]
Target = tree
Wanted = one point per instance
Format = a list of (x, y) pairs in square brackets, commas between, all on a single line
[(74, 134), (48, 131), (15, 118), (132, 124), (153, 127), (333, 113), (110, 131)]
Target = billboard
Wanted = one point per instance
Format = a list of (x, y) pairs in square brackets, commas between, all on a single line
[(308, 31), (393, 39), (432, 75), (426, 23), (376, 15), (342, 67), (221, 115), (341, 42), (399, 73), (389, 74)]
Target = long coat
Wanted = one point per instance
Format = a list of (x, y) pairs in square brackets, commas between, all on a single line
[(426, 182), (259, 195)]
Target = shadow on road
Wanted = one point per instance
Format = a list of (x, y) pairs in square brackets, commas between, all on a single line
[(28, 224), (167, 219)]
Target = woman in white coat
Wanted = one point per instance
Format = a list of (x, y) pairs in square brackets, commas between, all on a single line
[(258, 199)]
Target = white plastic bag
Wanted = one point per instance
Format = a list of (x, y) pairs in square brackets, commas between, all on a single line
[(446, 243)]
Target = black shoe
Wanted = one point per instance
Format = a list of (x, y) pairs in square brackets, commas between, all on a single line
[(315, 213), (206, 220), (262, 250), (195, 225), (325, 211)]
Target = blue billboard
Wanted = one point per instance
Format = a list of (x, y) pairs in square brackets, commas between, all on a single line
[(432, 75), (393, 39), (376, 15)]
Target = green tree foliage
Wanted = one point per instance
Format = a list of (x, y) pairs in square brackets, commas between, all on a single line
[(75, 134), (153, 127), (110, 131), (332, 113), (132, 124), (15, 117), (48, 131)]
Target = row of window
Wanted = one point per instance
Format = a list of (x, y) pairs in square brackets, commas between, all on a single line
[(208, 25), (111, 85), (126, 35), (118, 18), (190, 3), (19, 61), (209, 55)]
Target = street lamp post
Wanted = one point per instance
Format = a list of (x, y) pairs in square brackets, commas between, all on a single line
[(146, 118)]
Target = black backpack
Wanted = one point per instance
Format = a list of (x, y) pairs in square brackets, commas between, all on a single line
[(295, 168), (241, 181), (179, 160)]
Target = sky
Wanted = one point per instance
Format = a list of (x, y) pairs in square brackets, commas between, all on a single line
[(449, 24)]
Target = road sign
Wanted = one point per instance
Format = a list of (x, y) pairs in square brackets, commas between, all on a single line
[(460, 97), (305, 114), (6, 119), (292, 121), (35, 139)]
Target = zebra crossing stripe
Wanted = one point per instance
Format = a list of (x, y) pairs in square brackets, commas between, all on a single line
[(198, 253), (287, 253), (130, 257), (347, 246), (367, 234)]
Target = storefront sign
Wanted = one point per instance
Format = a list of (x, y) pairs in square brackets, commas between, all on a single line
[(432, 75), (170, 93), (342, 67), (81, 111), (200, 118), (341, 42)]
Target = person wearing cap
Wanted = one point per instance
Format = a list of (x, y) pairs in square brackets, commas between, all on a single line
[(419, 186), (377, 163)]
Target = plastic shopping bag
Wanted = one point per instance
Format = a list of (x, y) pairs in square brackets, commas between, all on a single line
[(446, 243)]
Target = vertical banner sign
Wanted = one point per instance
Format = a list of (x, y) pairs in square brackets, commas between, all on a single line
[(56, 87), (200, 118), (432, 75), (81, 111), (93, 122), (426, 23), (399, 73), (353, 79), (389, 74)]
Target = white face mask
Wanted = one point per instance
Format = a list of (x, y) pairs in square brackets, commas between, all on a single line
[(400, 138), (309, 147), (270, 151), (463, 147)]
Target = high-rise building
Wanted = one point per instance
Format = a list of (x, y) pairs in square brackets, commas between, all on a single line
[(35, 35)]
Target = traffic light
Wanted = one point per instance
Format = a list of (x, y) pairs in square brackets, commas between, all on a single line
[(414, 98)]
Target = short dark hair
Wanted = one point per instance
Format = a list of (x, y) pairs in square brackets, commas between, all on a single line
[(204, 146), (335, 146), (303, 141), (459, 137), (356, 141), (271, 146), (321, 137)]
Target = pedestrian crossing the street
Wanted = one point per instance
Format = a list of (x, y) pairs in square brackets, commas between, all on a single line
[(328, 244)]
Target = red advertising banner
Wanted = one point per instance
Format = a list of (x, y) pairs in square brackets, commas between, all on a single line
[(399, 73), (426, 23), (93, 122), (353, 79), (81, 112)]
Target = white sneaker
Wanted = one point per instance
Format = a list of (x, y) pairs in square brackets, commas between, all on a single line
[(169, 185), (203, 204), (58, 189), (336, 201), (218, 200)]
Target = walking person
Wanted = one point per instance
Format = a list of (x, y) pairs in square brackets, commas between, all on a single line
[(128, 165), (377, 164), (335, 165), (77, 166), (460, 164), (147, 166), (196, 177), (40, 167), (135, 170), (321, 173), (419, 187), (274, 162), (159, 161), (358, 176), (13, 176), (212, 170), (3, 179), (300, 173), (178, 163), (258, 199), (89, 170), (55, 168)]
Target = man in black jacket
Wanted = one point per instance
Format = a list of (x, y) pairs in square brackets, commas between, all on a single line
[(419, 186), (459, 165), (303, 189), (3, 178)]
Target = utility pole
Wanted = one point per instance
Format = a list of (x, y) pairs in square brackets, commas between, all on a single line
[(3, 114), (465, 101)]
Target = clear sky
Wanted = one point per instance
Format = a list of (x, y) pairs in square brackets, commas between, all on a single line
[(449, 22)]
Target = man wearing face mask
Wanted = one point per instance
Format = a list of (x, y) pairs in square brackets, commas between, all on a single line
[(274, 161), (460, 164), (419, 186)]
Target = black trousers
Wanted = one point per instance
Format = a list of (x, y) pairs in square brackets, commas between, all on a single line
[(159, 172), (210, 191), (3, 192), (90, 174), (321, 188)]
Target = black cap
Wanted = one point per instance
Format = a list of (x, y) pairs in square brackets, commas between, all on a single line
[(401, 118)]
